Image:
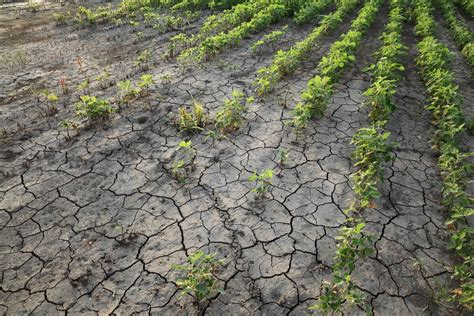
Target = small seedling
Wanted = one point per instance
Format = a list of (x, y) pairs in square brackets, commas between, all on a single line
[(165, 78), (282, 156), (51, 100), (103, 79), (64, 88), (93, 109), (84, 86), (194, 120), (263, 181), (182, 166), (198, 277), (143, 59), (128, 92), (68, 125), (230, 116)]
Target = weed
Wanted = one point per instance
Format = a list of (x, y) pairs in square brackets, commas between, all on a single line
[(84, 86)]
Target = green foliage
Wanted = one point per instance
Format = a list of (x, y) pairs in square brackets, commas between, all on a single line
[(286, 62), (230, 116), (444, 102), (319, 90), (143, 59), (194, 120), (371, 151), (93, 109), (212, 45), (282, 156), (461, 33), (197, 277), (269, 39), (352, 245), (263, 181), (127, 91), (184, 164), (14, 58), (51, 100), (310, 10)]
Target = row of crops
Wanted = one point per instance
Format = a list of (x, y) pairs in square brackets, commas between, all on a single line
[(229, 23)]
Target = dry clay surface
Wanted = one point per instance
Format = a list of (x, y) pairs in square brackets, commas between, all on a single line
[(94, 223)]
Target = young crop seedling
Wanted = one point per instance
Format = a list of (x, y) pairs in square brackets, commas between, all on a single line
[(84, 86), (194, 120), (143, 59), (282, 156), (352, 244), (127, 92), (198, 279), (263, 182), (230, 116), (145, 84), (93, 109), (51, 101), (68, 125), (182, 166), (269, 39), (103, 79)]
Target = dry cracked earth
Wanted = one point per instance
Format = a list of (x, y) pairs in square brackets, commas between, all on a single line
[(92, 224)]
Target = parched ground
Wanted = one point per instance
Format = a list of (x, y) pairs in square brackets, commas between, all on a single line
[(92, 224)]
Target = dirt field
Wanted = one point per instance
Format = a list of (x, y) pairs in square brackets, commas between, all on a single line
[(92, 222)]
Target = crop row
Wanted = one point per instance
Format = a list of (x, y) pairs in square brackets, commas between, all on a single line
[(460, 31), (444, 102), (286, 62), (371, 152), (341, 54), (217, 43), (467, 5)]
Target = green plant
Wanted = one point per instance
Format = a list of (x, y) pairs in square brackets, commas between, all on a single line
[(444, 102), (84, 86), (371, 151), (269, 39), (143, 59), (282, 156), (193, 120), (127, 91), (184, 164), (286, 62), (230, 116), (51, 100), (198, 277), (93, 109), (341, 54), (352, 245), (68, 125), (103, 78), (15, 58), (263, 181)]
